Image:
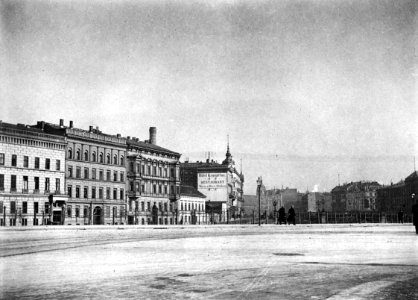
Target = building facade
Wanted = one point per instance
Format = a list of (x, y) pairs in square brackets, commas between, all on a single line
[(191, 206), (319, 202), (222, 184), (95, 174), (32, 176), (153, 182)]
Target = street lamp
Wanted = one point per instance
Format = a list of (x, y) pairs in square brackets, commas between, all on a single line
[(259, 183)]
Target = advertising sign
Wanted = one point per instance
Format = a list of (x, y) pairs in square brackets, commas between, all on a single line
[(211, 180)]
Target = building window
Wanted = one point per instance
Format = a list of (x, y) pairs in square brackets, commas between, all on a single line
[(148, 170), (77, 192), (24, 207), (165, 206), (14, 160), (26, 161), (36, 179), (86, 192), (57, 185), (101, 174), (69, 211), (78, 172), (165, 172), (2, 159), (77, 211), (100, 193), (115, 176), (131, 166), (122, 161), (93, 174), (108, 159), (70, 191), (70, 171), (25, 184), (142, 206), (93, 192), (46, 207), (35, 207), (70, 153), (165, 189), (1, 182), (115, 160), (148, 206), (159, 189), (143, 169), (13, 183), (12, 207), (154, 171), (78, 154), (143, 188), (121, 194), (57, 165), (107, 211), (107, 193), (108, 175), (171, 172), (86, 173), (47, 163), (86, 211), (86, 156), (93, 156), (101, 157), (115, 194), (122, 176), (46, 184), (154, 188)]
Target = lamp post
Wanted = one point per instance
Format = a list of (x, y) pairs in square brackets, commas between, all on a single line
[(259, 183)]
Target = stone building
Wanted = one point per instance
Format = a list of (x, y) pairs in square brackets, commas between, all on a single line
[(319, 202), (191, 206), (361, 196), (153, 181), (95, 174), (222, 184), (32, 176)]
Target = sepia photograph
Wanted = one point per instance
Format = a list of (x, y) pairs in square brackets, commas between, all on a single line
[(208, 149)]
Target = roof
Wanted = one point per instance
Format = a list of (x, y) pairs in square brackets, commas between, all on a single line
[(187, 190), (412, 176), (27, 130), (151, 147)]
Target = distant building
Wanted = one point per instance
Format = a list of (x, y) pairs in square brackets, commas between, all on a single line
[(222, 184), (191, 206), (339, 198), (319, 202), (153, 174), (32, 176), (282, 197), (361, 196), (394, 197)]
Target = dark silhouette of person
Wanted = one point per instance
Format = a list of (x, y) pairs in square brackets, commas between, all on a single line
[(291, 216), (415, 213), (282, 216), (400, 216)]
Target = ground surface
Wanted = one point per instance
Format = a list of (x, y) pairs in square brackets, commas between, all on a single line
[(360, 261)]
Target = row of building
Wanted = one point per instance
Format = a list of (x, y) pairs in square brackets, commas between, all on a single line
[(58, 174), (360, 196)]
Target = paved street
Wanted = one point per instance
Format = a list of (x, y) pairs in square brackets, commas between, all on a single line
[(361, 261)]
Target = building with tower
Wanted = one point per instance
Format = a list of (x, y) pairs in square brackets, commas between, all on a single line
[(222, 185)]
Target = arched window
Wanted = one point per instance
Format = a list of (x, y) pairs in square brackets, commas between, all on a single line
[(78, 154), (93, 156), (108, 159), (101, 157), (70, 153), (122, 162), (86, 156), (115, 160)]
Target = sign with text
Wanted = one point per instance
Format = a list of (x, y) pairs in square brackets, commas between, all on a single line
[(211, 180)]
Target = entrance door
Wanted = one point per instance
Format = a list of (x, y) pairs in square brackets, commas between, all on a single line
[(97, 215), (56, 218), (130, 220)]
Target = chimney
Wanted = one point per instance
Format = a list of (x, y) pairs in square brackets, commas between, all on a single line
[(90, 128), (153, 135), (71, 124), (61, 122)]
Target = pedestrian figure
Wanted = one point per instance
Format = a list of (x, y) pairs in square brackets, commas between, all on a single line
[(400, 216), (291, 216), (282, 216), (415, 213)]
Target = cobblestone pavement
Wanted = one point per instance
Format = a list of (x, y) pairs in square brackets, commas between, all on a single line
[(362, 261)]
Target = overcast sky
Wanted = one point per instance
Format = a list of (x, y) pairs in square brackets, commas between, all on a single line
[(306, 90)]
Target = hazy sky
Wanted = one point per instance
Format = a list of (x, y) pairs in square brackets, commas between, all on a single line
[(306, 90)]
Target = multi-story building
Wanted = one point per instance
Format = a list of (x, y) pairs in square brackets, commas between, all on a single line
[(153, 181), (395, 197), (319, 202), (95, 174), (222, 184), (32, 175), (191, 206), (339, 198)]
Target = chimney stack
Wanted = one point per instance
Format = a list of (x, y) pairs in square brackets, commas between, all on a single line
[(71, 124), (153, 135), (61, 122)]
